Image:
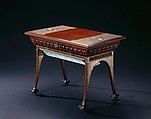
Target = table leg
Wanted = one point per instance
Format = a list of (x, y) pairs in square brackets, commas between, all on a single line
[(88, 70), (110, 62), (65, 80), (39, 57)]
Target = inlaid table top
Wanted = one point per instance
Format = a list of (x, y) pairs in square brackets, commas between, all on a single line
[(75, 40)]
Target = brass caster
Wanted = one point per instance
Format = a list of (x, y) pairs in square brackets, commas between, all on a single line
[(115, 97), (35, 91), (66, 82)]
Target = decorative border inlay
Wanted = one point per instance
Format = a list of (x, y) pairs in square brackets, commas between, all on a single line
[(60, 47), (75, 50), (52, 29), (88, 41)]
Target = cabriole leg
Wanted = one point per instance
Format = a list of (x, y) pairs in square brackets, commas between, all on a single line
[(88, 70), (39, 57), (110, 62)]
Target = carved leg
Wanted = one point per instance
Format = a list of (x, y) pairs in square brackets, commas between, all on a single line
[(39, 57), (110, 62), (88, 69), (65, 80)]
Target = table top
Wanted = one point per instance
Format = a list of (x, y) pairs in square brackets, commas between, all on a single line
[(78, 38)]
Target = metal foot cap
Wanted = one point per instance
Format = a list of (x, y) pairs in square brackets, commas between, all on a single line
[(82, 107), (33, 90), (115, 97), (66, 82)]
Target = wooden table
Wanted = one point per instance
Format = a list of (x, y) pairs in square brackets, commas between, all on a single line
[(82, 46)]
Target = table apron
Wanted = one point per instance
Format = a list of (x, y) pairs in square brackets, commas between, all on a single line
[(76, 59)]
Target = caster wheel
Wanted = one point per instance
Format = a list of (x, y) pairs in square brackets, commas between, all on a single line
[(66, 82), (33, 90), (115, 97), (81, 107)]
